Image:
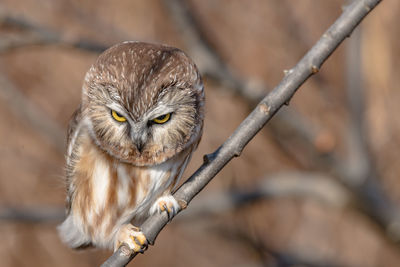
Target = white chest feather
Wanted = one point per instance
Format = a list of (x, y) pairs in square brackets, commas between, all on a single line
[(149, 183), (101, 183)]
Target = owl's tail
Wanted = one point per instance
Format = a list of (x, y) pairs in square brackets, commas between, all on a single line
[(72, 235)]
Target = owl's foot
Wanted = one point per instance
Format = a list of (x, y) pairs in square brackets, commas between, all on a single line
[(133, 237), (166, 203)]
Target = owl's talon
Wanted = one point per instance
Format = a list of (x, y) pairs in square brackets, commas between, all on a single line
[(166, 203), (142, 240), (133, 237), (168, 207), (163, 206)]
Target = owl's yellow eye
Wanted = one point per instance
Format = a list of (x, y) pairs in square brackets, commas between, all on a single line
[(117, 116), (162, 119)]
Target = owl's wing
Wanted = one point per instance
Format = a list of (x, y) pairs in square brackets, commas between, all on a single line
[(73, 123), (71, 135)]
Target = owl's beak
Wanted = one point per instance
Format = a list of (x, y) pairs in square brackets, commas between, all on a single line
[(139, 138), (139, 146)]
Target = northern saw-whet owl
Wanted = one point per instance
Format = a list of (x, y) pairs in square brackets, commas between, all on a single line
[(140, 119)]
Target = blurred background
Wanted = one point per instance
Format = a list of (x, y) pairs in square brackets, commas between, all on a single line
[(318, 186)]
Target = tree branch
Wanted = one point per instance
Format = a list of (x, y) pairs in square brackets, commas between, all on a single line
[(287, 184), (363, 176), (38, 214), (267, 253), (210, 62), (36, 35), (294, 78)]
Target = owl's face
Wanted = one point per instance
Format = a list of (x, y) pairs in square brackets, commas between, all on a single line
[(143, 103)]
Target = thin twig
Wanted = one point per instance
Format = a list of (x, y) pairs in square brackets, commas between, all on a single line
[(304, 185), (359, 160), (38, 35), (213, 163), (267, 253), (207, 59), (39, 214), (363, 176)]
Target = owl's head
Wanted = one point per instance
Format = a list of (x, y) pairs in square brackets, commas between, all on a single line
[(143, 103)]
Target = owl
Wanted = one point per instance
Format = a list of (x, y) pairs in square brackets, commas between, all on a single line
[(139, 121)]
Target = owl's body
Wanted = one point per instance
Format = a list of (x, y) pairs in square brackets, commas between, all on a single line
[(129, 142)]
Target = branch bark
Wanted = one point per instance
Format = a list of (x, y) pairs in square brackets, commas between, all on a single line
[(294, 78)]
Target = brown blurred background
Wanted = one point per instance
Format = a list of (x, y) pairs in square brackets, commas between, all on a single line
[(319, 186)]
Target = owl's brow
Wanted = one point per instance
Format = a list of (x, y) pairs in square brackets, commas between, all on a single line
[(168, 84), (112, 92), (165, 88)]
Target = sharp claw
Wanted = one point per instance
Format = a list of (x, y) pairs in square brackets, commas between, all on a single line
[(141, 239), (167, 204), (170, 215), (132, 237), (169, 209)]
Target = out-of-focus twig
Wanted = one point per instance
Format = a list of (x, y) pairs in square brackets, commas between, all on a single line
[(22, 107), (359, 159), (267, 255), (209, 62), (213, 163), (32, 214), (363, 176), (36, 35), (303, 185)]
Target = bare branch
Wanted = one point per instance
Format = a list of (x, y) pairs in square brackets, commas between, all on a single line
[(37, 35), (363, 176), (32, 214), (267, 253), (213, 163), (305, 185), (359, 161), (207, 59)]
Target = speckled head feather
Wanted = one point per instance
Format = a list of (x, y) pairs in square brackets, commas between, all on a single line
[(142, 81)]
